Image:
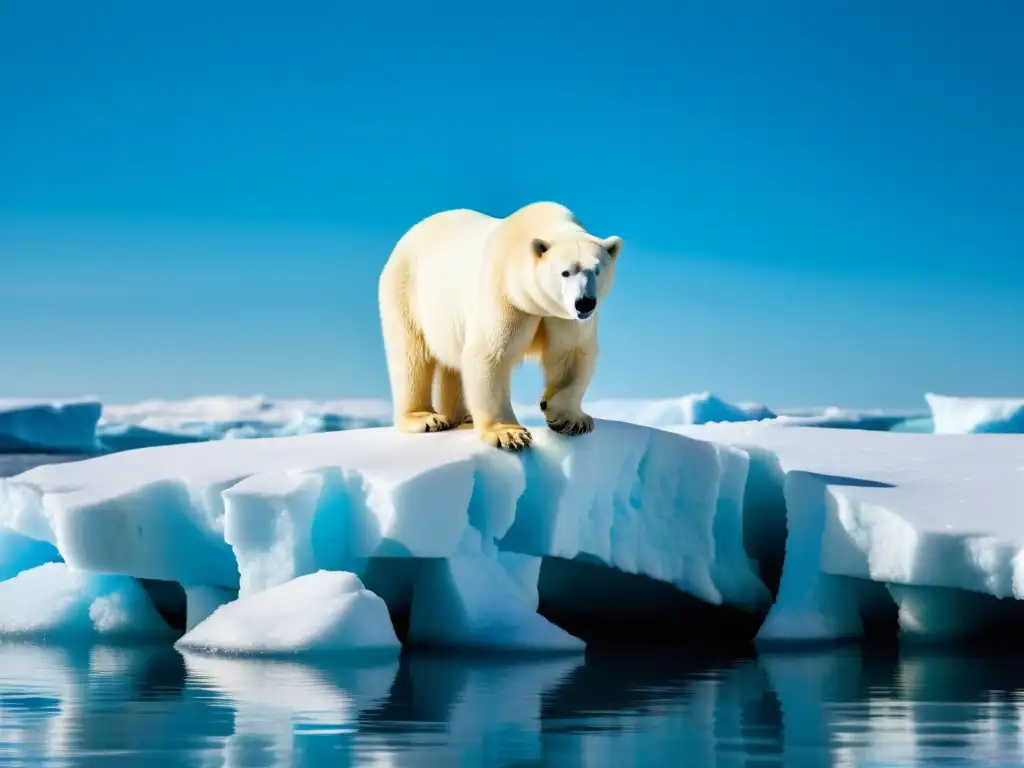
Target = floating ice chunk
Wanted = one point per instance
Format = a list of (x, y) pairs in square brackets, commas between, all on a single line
[(868, 513), (963, 415), (320, 613), (20, 553), (469, 600), (28, 426), (52, 602)]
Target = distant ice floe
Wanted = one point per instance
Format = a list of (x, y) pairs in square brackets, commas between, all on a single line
[(35, 426), (163, 422), (79, 427), (699, 408), (874, 420), (967, 415)]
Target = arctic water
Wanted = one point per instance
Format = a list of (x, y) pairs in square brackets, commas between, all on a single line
[(113, 706)]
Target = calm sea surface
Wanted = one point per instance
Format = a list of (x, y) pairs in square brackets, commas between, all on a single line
[(108, 706)]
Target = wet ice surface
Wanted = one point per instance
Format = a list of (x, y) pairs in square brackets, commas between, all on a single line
[(115, 706)]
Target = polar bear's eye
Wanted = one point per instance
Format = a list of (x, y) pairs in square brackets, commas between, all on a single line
[(565, 273)]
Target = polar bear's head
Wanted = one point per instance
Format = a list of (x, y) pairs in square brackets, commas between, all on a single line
[(576, 273)]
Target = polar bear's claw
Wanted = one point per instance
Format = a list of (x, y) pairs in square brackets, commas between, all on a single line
[(572, 426), (424, 422), (508, 437)]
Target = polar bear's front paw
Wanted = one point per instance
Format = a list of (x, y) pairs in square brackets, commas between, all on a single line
[(423, 421), (571, 424), (508, 437)]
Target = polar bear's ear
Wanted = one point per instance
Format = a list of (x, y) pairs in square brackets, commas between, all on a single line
[(540, 247), (613, 245)]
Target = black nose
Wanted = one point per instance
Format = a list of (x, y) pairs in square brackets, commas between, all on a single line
[(586, 304)]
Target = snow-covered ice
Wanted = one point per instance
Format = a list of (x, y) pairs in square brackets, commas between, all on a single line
[(54, 603), (251, 515), (322, 612), (34, 426), (965, 415), (935, 521)]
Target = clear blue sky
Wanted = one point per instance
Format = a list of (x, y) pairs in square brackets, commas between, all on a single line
[(822, 202)]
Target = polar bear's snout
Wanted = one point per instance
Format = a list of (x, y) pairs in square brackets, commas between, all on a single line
[(579, 292), (585, 306)]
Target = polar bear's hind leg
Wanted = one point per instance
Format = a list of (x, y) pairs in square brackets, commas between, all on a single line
[(411, 366), (451, 401)]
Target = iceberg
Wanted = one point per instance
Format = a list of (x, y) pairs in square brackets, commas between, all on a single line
[(32, 426), (967, 415), (911, 533), (451, 534)]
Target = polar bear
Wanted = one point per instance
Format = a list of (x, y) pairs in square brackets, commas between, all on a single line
[(464, 297)]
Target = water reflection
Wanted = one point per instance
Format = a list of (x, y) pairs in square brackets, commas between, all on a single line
[(108, 706)]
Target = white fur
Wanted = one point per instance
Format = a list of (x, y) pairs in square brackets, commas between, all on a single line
[(465, 296)]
